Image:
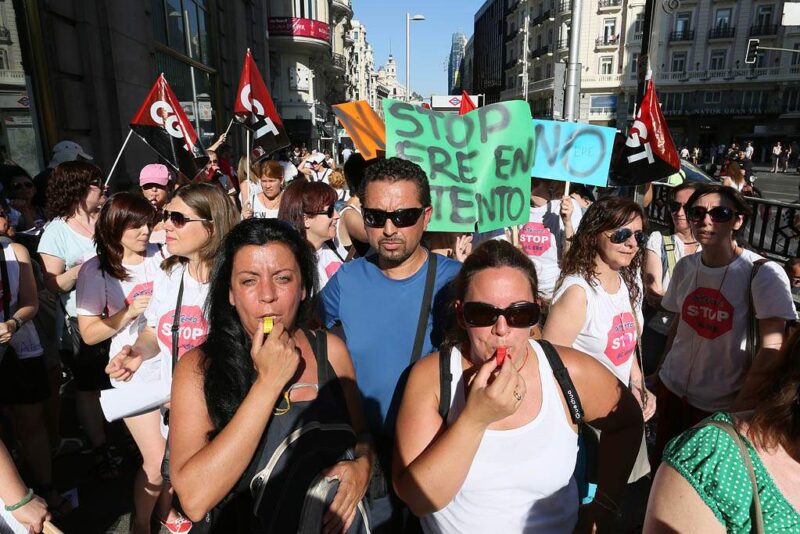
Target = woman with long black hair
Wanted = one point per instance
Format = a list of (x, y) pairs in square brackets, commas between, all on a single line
[(272, 419)]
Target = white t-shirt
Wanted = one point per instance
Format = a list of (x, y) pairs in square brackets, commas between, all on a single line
[(253, 189), (96, 291), (542, 239), (708, 360), (520, 480), (161, 312), (662, 321), (323, 176), (609, 331), (262, 212), (61, 241), (328, 261), (25, 341)]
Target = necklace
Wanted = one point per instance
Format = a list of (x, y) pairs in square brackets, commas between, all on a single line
[(83, 226)]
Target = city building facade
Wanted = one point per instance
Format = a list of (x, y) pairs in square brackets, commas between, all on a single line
[(466, 79), (455, 63), (88, 65), (385, 85), (489, 48), (360, 63)]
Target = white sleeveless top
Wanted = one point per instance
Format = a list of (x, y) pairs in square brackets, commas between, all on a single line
[(609, 331), (262, 212), (25, 341), (520, 480)]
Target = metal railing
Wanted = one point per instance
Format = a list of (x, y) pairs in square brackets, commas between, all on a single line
[(609, 3), (722, 32), (338, 61), (764, 29), (682, 35), (541, 18), (541, 51), (565, 6), (563, 44), (772, 230), (611, 40)]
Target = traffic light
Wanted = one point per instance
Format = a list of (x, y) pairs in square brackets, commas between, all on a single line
[(752, 51)]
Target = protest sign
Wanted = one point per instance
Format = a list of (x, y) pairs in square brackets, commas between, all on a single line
[(477, 164), (572, 152), (366, 129)]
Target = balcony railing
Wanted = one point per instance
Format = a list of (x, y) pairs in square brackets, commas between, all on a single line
[(637, 36), (565, 6), (609, 3), (510, 63), (682, 35), (541, 18), (722, 32), (338, 61), (539, 52), (563, 44), (5, 36), (764, 29), (611, 40), (786, 72)]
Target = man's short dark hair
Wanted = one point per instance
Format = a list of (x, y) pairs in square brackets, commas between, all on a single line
[(395, 170)]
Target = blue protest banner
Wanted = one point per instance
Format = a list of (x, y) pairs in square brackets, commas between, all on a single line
[(572, 152)]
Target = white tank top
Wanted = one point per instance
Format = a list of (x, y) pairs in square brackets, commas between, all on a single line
[(520, 480), (609, 330), (262, 212)]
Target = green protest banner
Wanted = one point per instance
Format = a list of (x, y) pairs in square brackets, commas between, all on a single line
[(478, 164)]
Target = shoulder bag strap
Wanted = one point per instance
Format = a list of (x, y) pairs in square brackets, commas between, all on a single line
[(318, 339), (331, 246), (564, 381), (672, 257), (756, 517), (752, 321), (176, 323), (424, 310), (445, 380), (7, 313)]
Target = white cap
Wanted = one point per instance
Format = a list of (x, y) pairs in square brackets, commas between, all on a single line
[(67, 151)]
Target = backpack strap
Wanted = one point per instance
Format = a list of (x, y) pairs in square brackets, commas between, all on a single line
[(318, 339), (564, 381), (752, 321), (445, 381), (425, 308), (176, 323), (6, 301), (668, 244)]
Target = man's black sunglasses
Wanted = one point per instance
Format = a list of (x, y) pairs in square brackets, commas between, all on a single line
[(400, 218), (178, 219), (328, 212), (623, 234), (719, 214), (518, 315)]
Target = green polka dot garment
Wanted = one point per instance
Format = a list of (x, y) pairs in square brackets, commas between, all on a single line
[(709, 460)]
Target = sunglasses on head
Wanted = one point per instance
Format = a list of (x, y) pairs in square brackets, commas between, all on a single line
[(719, 214), (178, 219), (400, 218), (519, 315), (327, 212), (623, 234), (94, 183)]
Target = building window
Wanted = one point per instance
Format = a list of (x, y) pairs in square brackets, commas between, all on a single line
[(4, 64), (638, 24), (607, 65), (634, 63), (678, 62), (609, 30), (717, 60), (722, 18), (712, 97), (683, 22), (753, 101), (791, 101), (549, 70), (796, 55), (672, 102), (305, 9), (764, 15)]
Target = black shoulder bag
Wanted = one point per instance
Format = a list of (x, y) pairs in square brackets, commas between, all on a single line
[(176, 327)]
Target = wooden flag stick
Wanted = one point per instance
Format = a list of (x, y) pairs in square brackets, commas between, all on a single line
[(228, 129), (566, 189), (119, 154), (249, 184)]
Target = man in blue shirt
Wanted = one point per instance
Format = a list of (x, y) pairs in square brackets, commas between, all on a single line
[(378, 300)]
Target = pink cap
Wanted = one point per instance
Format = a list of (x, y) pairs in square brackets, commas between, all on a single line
[(155, 173)]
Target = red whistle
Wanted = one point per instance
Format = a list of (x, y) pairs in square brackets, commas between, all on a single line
[(500, 355)]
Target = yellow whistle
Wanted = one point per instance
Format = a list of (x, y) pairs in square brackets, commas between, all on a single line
[(267, 326)]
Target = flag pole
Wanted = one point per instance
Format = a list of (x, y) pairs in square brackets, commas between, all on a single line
[(228, 129), (119, 154), (249, 184)]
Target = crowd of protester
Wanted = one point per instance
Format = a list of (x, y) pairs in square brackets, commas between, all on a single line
[(328, 365)]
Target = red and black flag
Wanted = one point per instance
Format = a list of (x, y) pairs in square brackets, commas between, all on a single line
[(648, 153), (255, 110), (162, 124)]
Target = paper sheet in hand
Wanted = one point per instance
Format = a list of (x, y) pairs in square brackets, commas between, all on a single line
[(133, 399)]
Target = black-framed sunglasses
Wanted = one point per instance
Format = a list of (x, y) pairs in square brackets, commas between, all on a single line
[(26, 185), (795, 281), (327, 212), (518, 315), (674, 206), (623, 234), (178, 219), (719, 214), (95, 183), (400, 218)]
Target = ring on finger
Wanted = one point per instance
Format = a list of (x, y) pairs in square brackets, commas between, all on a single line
[(517, 395)]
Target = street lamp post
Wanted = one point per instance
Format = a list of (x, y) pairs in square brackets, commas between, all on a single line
[(409, 18)]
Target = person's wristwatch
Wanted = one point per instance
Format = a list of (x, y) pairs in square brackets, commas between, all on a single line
[(17, 324)]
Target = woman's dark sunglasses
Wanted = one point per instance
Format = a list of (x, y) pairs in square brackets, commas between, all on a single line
[(400, 218), (623, 234), (26, 185), (675, 206), (719, 214), (328, 212), (519, 315), (178, 219)]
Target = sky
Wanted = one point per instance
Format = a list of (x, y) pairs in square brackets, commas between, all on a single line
[(385, 21)]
